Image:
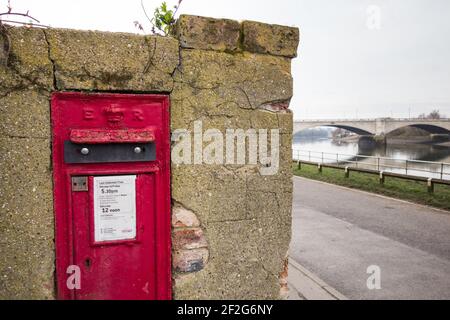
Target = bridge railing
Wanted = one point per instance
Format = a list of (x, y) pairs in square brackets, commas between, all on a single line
[(429, 169), (373, 119)]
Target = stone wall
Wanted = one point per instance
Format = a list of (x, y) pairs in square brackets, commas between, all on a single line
[(231, 225)]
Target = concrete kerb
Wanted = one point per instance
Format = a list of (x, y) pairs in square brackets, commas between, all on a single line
[(309, 286)]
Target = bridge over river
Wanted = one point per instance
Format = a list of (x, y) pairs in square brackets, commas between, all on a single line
[(377, 127)]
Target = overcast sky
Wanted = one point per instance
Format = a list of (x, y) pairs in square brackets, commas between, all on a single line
[(350, 63)]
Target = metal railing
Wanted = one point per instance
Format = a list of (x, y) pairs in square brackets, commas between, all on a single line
[(429, 169), (373, 119)]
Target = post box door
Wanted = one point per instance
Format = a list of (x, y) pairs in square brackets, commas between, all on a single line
[(114, 237), (111, 161)]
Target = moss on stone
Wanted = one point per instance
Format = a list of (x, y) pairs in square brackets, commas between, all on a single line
[(25, 113), (28, 63), (88, 60), (270, 39), (26, 219), (249, 80), (208, 33)]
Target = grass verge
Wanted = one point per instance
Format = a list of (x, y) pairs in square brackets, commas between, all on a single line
[(410, 190)]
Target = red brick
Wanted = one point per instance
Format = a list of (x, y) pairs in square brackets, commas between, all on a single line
[(190, 260), (185, 239)]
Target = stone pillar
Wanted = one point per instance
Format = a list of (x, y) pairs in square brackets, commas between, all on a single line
[(26, 208), (370, 142), (232, 224), (380, 126), (233, 76)]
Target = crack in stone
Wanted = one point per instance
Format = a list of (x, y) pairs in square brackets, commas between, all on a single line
[(10, 90), (11, 136), (178, 66), (151, 56), (215, 87), (232, 220), (53, 63), (270, 273), (247, 97), (25, 80), (6, 45), (22, 86), (90, 75), (247, 209), (151, 63)]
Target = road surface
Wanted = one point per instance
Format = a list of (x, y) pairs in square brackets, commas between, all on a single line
[(338, 233)]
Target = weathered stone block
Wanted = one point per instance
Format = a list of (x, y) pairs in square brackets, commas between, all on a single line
[(286, 122), (240, 273), (88, 60), (26, 64), (286, 155), (283, 121), (209, 107), (189, 186), (263, 119), (25, 113), (208, 33), (211, 191), (4, 47), (26, 220), (273, 256), (270, 39), (245, 80)]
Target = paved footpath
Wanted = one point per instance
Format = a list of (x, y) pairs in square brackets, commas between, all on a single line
[(338, 233)]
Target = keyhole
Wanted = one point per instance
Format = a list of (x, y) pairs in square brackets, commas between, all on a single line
[(87, 262)]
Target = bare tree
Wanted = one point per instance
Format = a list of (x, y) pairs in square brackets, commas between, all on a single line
[(14, 17), (11, 16), (435, 114)]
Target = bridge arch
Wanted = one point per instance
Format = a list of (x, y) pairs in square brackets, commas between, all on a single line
[(430, 128), (353, 129), (380, 126)]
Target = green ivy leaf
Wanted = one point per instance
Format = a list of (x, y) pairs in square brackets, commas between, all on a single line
[(163, 18)]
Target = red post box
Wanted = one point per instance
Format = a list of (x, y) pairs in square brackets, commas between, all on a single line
[(111, 162)]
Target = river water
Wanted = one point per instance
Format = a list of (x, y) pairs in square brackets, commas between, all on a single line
[(350, 154)]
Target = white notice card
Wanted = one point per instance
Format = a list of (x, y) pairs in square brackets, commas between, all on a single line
[(115, 208)]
